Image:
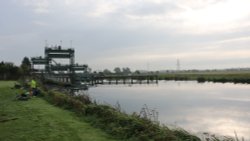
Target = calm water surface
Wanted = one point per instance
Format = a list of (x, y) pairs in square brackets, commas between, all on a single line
[(207, 107)]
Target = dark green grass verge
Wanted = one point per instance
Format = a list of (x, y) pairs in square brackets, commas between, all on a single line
[(37, 120), (221, 77), (120, 125)]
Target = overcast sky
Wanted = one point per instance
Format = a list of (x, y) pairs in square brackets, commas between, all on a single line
[(140, 34)]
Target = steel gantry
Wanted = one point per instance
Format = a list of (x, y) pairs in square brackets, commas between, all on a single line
[(55, 71)]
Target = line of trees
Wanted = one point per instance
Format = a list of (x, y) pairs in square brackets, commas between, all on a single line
[(117, 71), (9, 71), (120, 71)]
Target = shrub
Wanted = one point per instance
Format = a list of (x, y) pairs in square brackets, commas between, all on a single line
[(111, 120), (201, 79)]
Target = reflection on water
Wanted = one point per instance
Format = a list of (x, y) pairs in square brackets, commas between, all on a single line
[(207, 107)]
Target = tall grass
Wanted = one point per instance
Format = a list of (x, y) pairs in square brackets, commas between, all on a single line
[(116, 123), (211, 77), (123, 126)]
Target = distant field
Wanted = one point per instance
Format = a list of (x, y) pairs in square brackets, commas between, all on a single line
[(215, 76), (208, 74)]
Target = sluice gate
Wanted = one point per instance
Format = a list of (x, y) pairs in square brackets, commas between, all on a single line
[(76, 74)]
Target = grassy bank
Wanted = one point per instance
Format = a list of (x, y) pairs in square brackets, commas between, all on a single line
[(133, 127), (223, 77), (37, 120), (120, 125)]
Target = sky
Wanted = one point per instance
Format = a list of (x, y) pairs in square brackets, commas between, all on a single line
[(139, 34)]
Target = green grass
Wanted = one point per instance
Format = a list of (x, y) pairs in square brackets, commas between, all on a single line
[(4, 84), (118, 124), (37, 120), (233, 77)]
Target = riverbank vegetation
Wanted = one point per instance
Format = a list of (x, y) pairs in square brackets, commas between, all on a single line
[(209, 76), (120, 125), (9, 71), (111, 120), (37, 120), (82, 119), (114, 122), (223, 75)]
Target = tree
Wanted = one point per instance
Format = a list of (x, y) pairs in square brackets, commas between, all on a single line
[(3, 70), (117, 70), (126, 71), (106, 71), (137, 72), (8, 71), (15, 73), (26, 66)]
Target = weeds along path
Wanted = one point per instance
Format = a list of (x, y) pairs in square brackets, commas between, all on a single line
[(37, 120)]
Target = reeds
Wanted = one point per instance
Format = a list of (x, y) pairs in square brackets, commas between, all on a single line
[(136, 127)]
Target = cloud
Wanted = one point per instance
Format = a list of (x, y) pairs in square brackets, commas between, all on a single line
[(150, 8), (196, 4), (39, 6), (40, 23), (235, 40), (192, 17), (102, 9), (165, 58), (156, 31), (219, 17)]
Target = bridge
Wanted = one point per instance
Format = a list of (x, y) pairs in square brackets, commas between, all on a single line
[(124, 79), (76, 74)]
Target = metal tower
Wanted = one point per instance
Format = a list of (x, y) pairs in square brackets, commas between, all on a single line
[(58, 71)]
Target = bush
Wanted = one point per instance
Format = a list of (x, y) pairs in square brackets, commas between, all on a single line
[(114, 122), (201, 79)]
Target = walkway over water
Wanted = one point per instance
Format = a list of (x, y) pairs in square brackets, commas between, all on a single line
[(124, 79), (75, 74), (92, 79)]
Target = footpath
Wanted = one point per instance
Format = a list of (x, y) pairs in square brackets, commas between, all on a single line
[(37, 120)]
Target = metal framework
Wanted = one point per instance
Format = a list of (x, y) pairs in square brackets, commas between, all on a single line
[(55, 71), (78, 74)]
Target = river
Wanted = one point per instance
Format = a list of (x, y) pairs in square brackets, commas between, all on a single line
[(197, 107)]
